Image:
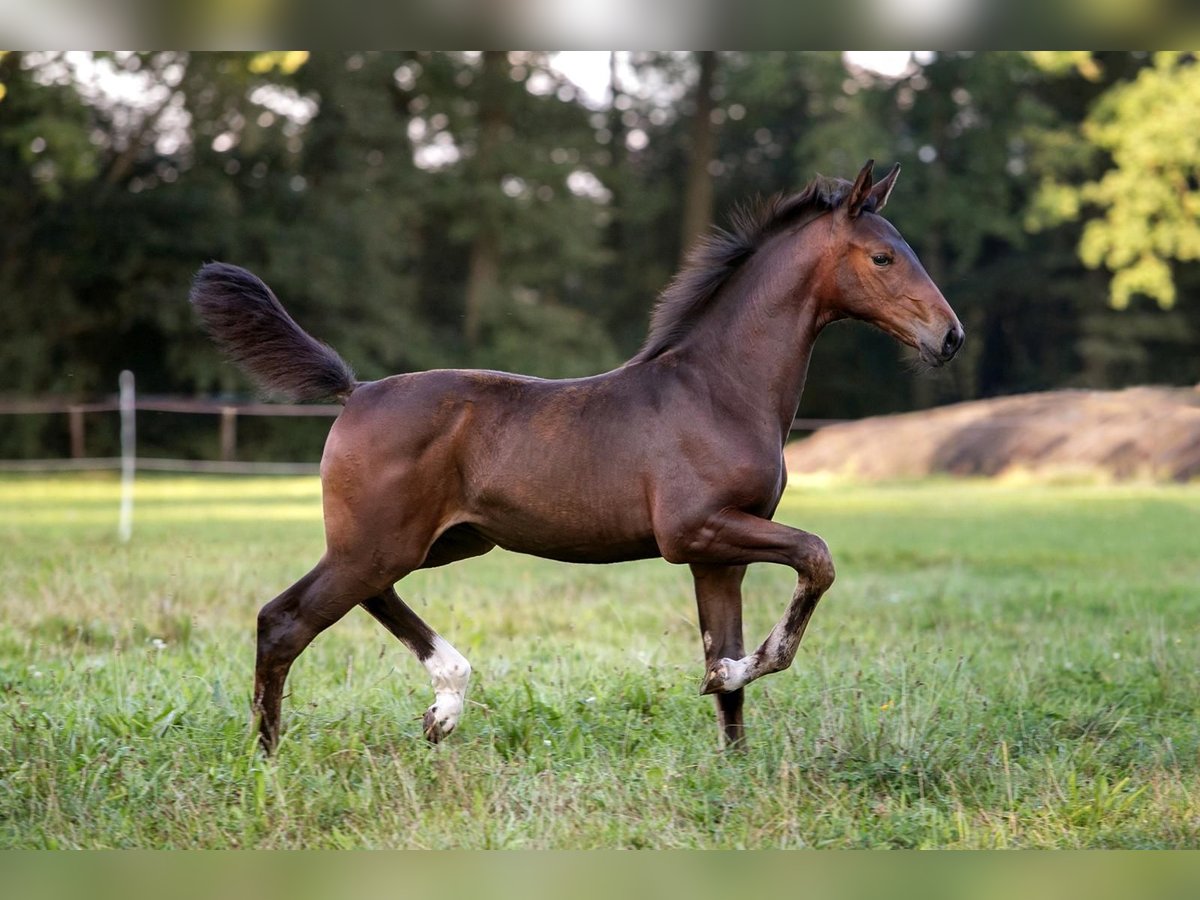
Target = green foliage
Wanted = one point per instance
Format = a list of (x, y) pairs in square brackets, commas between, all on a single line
[(286, 61), (1148, 201), (996, 666), (366, 188), (551, 341)]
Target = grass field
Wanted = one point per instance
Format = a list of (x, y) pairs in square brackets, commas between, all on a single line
[(996, 666)]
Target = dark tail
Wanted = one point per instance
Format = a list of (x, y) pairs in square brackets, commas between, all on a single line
[(254, 330)]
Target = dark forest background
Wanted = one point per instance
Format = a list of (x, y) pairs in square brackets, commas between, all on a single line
[(420, 209)]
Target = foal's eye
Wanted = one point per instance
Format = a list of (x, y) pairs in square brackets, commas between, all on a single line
[(881, 259)]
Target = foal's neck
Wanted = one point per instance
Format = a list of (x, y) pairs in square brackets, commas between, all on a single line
[(755, 340)]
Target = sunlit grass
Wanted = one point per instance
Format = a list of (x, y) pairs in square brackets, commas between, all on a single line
[(996, 666)]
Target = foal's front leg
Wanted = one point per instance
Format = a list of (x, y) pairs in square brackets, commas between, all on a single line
[(719, 603), (734, 538)]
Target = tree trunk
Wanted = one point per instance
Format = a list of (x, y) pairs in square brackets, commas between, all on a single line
[(620, 274), (483, 269), (698, 190)]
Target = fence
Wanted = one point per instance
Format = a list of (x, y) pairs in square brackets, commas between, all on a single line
[(127, 405), (228, 414)]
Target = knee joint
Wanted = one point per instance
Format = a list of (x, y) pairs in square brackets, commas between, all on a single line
[(818, 564)]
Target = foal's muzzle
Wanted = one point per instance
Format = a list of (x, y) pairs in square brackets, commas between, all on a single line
[(953, 342), (935, 354)]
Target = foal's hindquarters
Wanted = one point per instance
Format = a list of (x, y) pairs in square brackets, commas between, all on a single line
[(389, 510)]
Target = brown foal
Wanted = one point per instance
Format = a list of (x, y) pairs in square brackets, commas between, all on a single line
[(677, 453)]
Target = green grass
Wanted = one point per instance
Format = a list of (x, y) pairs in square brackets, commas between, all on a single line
[(996, 666)]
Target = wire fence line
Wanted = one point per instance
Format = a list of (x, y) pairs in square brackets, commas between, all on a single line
[(167, 404), (128, 404), (228, 466), (156, 464), (228, 412)]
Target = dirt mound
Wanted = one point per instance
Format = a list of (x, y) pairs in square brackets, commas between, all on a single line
[(1151, 433)]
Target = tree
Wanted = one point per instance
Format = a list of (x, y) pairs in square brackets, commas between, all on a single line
[(483, 272), (421, 209), (513, 201), (1143, 212), (698, 189)]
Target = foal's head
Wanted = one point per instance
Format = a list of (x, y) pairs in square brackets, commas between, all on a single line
[(872, 274)]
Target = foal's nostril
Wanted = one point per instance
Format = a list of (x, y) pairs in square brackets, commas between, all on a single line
[(954, 340)]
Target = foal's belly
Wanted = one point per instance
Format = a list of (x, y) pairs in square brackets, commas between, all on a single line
[(581, 525), (578, 552), (569, 536)]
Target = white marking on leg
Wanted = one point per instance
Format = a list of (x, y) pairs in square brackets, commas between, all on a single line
[(449, 672), (730, 675)]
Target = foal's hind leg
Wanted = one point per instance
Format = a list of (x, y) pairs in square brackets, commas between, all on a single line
[(448, 669), (288, 624), (719, 603)]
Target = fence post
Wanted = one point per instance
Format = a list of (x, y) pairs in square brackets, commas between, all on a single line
[(75, 421), (228, 432), (128, 455)]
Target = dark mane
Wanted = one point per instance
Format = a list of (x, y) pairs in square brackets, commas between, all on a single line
[(720, 253)]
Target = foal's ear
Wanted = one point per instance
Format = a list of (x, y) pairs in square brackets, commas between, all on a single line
[(861, 192), (883, 190)]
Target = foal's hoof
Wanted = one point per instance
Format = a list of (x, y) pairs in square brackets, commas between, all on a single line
[(436, 725), (714, 681), (725, 676)]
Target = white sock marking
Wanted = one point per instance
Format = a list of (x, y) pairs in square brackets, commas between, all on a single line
[(449, 671), (737, 672)]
